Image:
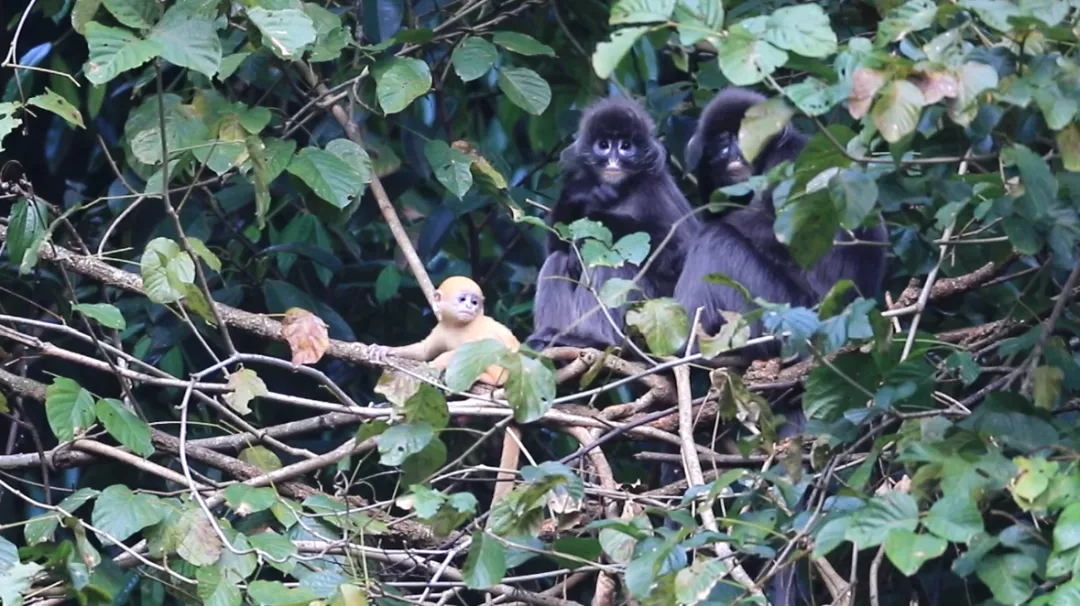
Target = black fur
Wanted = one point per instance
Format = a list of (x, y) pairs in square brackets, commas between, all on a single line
[(742, 245), (645, 199)]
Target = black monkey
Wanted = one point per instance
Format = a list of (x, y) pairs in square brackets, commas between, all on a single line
[(615, 172), (742, 244)]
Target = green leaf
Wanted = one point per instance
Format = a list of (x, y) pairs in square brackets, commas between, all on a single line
[(452, 166), (974, 79), (199, 543), (328, 175), (16, 581), (354, 522), (1040, 186), (608, 54), (897, 110), (641, 11), (330, 36), (287, 32), (829, 395), (215, 589), (114, 51), (260, 457), (246, 386), (9, 554), (486, 564), (760, 124), (995, 13), (908, 551), (8, 121), (693, 585), (473, 58), (106, 315), (522, 44), (420, 466), (26, 230), (277, 546), (955, 518), (854, 193), (166, 271), (911, 16), (733, 334), (530, 388), (614, 292), (663, 322), (1068, 144), (274, 593), (1008, 577), (803, 29), (247, 500), (83, 13), (633, 247), (1067, 528), (871, 525), (746, 60), (470, 360), (137, 14), (58, 105), (121, 512), (387, 284), (698, 19), (399, 82), (807, 226), (525, 89), (581, 547), (428, 405), (1047, 382), (400, 441), (812, 96), (42, 528), (198, 247), (122, 424), (69, 408), (188, 38)]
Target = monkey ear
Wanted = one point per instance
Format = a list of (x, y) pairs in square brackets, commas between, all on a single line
[(692, 155), (438, 296)]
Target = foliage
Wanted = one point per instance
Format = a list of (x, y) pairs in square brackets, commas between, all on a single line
[(179, 175)]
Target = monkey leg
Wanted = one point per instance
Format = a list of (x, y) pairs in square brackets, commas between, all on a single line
[(494, 375), (442, 360)]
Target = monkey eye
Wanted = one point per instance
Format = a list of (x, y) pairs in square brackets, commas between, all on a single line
[(603, 145), (626, 148)]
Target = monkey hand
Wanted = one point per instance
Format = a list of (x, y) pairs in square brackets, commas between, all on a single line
[(378, 353)]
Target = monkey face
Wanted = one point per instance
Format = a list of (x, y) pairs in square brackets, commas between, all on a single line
[(466, 306), (614, 158), (726, 160)]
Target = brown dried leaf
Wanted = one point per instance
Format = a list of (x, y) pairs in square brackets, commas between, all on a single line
[(865, 83), (936, 86), (306, 334)]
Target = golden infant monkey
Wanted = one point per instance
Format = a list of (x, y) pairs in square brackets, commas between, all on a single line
[(460, 311)]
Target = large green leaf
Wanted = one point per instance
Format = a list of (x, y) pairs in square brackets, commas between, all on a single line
[(473, 58), (897, 110), (69, 408), (122, 424), (608, 54), (274, 593), (452, 166), (871, 525), (328, 175), (744, 59), (188, 38), (399, 82), (698, 19), (25, 231), (854, 193), (400, 441), (760, 124), (525, 89), (522, 44), (807, 226), (470, 360), (106, 315), (641, 11), (530, 389), (803, 29), (995, 13), (82, 13), (121, 512), (663, 322), (114, 51), (166, 271), (330, 35), (58, 105), (486, 563), (42, 528), (137, 14), (911, 16), (287, 32), (908, 551), (955, 518), (1008, 577)]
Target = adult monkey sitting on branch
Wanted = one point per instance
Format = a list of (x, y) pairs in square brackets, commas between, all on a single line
[(460, 311)]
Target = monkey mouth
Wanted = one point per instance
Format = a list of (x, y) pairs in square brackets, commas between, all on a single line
[(612, 174)]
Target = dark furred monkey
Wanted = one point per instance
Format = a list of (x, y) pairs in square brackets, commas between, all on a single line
[(616, 173), (742, 245)]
